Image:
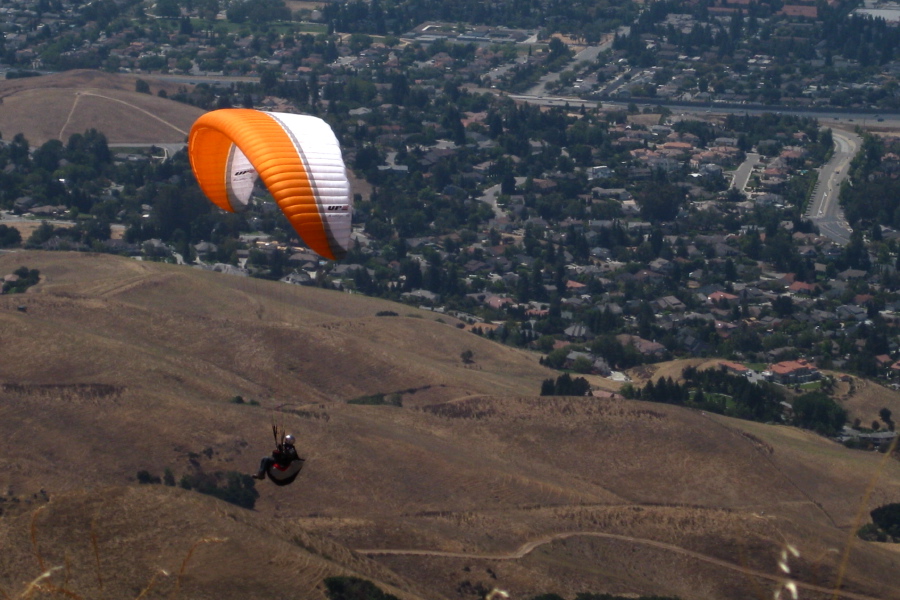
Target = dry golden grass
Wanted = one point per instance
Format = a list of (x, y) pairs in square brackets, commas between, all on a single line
[(158, 542), (671, 369), (120, 365), (644, 119), (59, 105), (864, 399)]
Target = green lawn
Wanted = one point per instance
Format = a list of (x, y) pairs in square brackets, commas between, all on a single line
[(811, 386)]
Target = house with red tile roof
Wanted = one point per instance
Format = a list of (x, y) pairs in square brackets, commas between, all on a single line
[(799, 11), (733, 367), (791, 372), (717, 297), (801, 287)]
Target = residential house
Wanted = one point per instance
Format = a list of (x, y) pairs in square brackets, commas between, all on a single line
[(734, 368), (792, 372)]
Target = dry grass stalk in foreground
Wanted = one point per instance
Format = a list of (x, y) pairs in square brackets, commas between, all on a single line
[(863, 505), (42, 582), (187, 558)]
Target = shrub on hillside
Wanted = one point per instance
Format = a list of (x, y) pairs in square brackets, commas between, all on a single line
[(231, 486), (887, 517), (144, 477), (25, 279), (9, 236), (354, 588), (379, 400)]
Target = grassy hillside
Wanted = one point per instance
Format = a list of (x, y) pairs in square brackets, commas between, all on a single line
[(169, 543), (474, 482), (59, 105)]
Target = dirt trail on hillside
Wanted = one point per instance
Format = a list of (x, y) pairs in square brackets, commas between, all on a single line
[(69, 116), (128, 104), (529, 547)]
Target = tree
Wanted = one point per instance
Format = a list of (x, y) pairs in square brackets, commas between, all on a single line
[(42, 234), (167, 8), (9, 236), (699, 398), (141, 87), (887, 519), (783, 306), (268, 79), (144, 477), (548, 388), (582, 364), (885, 415), (820, 413), (659, 202), (466, 356)]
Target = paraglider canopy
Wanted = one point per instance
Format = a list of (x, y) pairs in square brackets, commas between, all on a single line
[(296, 157)]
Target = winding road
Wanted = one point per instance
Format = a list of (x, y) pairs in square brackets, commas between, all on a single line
[(824, 207), (531, 546)]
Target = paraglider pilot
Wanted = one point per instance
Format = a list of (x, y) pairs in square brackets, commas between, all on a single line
[(282, 457)]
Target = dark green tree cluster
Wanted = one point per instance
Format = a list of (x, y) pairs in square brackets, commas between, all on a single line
[(660, 201), (748, 400), (145, 477), (885, 415), (885, 525), (616, 354), (820, 413), (55, 173), (9, 236), (665, 391), (714, 390), (565, 385), (180, 213), (873, 198), (709, 35), (258, 11), (887, 518), (871, 41), (25, 279)]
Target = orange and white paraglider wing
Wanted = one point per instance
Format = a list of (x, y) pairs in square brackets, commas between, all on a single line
[(297, 158)]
